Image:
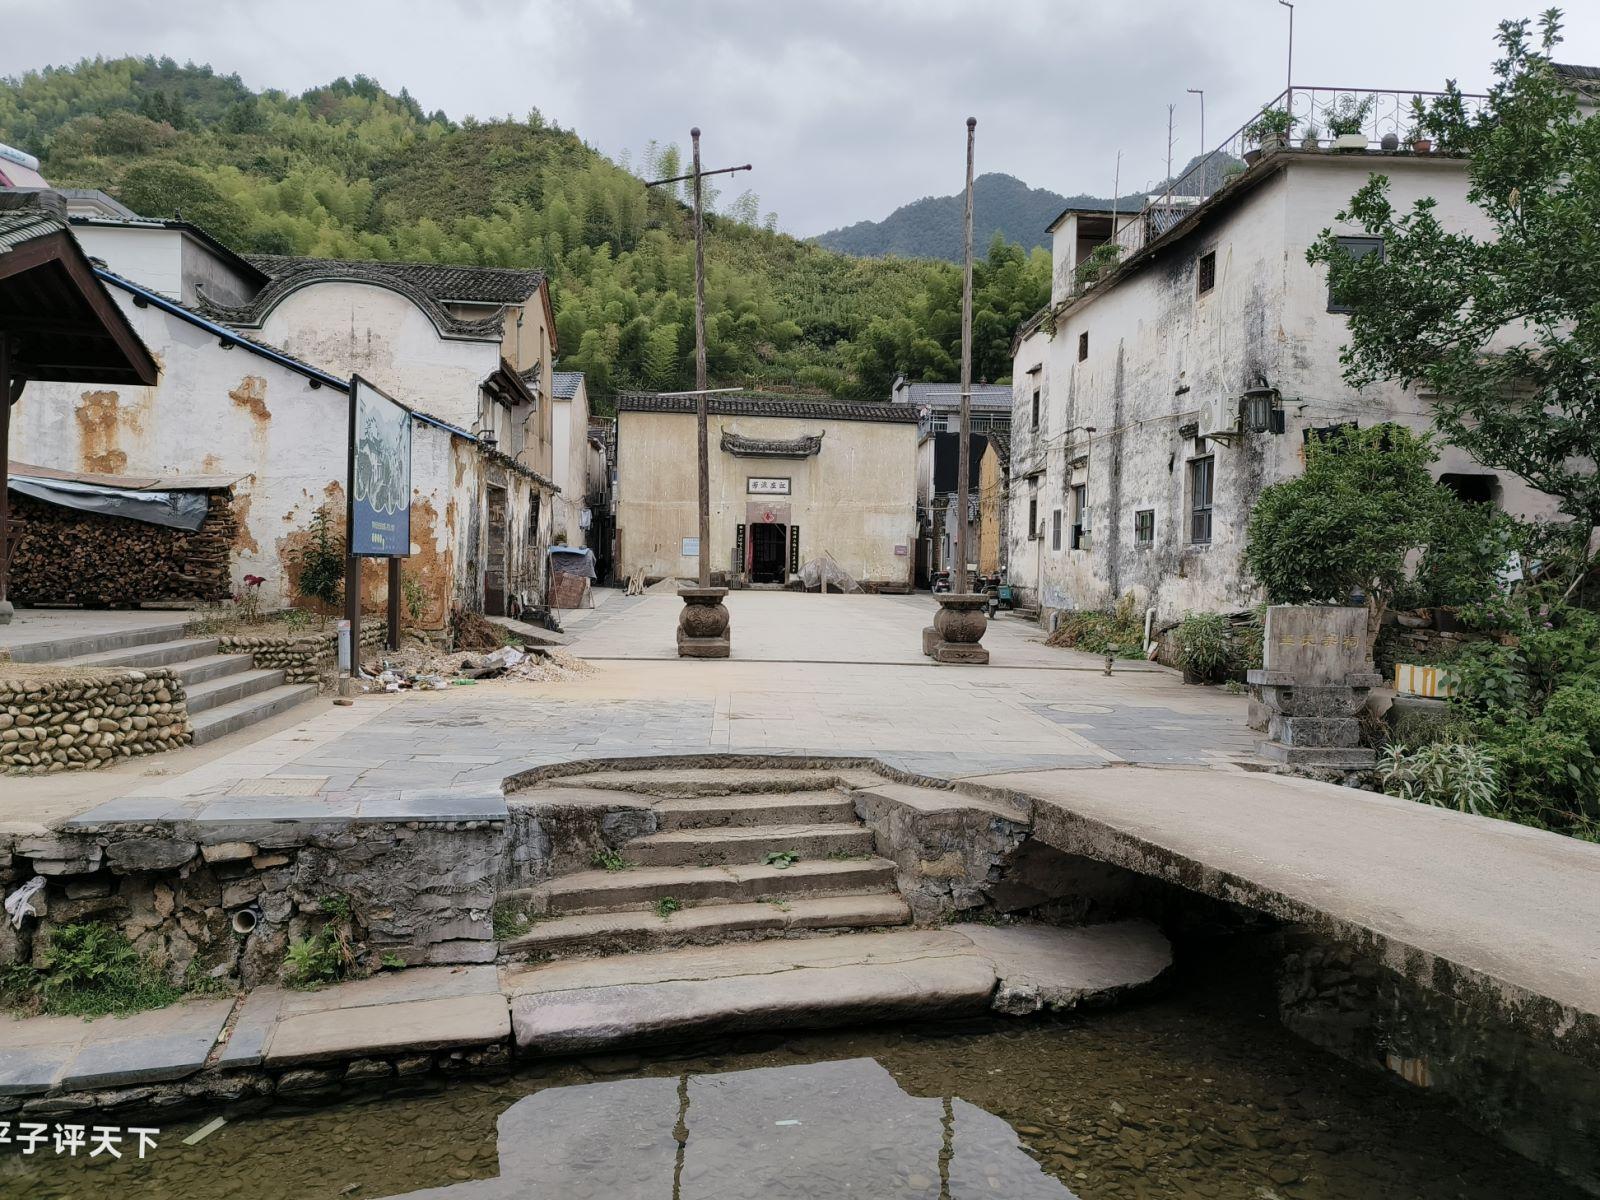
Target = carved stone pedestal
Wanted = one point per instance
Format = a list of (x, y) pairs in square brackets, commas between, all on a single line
[(958, 627), (703, 623), (1314, 685)]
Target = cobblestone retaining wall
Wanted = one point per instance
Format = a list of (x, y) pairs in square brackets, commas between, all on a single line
[(61, 721), (302, 657)]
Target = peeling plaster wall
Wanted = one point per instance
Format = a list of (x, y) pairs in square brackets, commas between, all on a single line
[(1158, 351), (570, 454), (358, 328), (230, 412), (856, 500)]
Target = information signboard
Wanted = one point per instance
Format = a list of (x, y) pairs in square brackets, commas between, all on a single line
[(380, 474)]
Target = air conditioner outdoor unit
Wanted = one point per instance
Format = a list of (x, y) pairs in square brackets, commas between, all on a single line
[(1219, 420)]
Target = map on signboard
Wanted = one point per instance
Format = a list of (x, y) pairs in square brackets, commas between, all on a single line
[(380, 509)]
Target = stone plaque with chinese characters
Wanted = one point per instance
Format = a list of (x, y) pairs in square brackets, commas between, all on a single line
[(1316, 644), (769, 485)]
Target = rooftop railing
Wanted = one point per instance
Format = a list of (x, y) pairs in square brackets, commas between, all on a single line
[(1382, 120)]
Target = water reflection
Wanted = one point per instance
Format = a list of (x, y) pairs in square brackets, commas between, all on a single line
[(827, 1129)]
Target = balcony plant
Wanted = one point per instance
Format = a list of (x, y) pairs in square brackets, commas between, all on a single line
[(1416, 133), (1346, 120), (1311, 139), (1271, 129)]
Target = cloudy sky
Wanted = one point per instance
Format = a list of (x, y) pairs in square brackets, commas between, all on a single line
[(847, 109)]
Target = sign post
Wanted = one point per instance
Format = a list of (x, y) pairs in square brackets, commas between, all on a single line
[(378, 501)]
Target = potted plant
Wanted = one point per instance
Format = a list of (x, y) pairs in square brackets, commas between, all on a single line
[(1312, 138), (1416, 134), (1271, 129), (1345, 122)]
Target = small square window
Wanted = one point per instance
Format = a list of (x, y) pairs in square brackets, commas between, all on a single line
[(1144, 528), (1207, 274), (1083, 346), (1355, 247)]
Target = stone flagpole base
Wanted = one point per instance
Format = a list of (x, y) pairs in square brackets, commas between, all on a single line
[(957, 629), (703, 623)]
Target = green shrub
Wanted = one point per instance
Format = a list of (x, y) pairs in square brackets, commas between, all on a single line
[(1096, 632), (1205, 645), (1457, 775), (1346, 525), (321, 562), (328, 955), (1468, 547), (90, 969)]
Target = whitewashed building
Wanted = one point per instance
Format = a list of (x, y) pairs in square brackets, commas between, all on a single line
[(256, 356), (569, 456), (1150, 408)]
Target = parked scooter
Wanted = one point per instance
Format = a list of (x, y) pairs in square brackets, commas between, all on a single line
[(941, 582)]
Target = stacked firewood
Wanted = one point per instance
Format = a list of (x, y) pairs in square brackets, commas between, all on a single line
[(70, 557)]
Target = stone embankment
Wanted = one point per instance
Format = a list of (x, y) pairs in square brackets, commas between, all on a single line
[(54, 720)]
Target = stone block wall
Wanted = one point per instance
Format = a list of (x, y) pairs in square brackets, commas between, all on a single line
[(52, 720), (225, 901), (302, 657)]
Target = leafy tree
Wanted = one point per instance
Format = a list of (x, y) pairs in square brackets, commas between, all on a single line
[(168, 189), (1364, 502), (1504, 330)]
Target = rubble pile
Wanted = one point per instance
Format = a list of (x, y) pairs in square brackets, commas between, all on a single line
[(424, 668)]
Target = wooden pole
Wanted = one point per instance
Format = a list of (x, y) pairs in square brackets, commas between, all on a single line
[(963, 460), (5, 474), (702, 404), (394, 604)]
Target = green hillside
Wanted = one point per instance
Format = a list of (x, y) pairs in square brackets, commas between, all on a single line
[(350, 170)]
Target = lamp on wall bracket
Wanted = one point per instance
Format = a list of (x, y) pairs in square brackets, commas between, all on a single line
[(1258, 408)]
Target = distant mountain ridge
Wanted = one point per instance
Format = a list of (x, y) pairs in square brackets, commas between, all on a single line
[(931, 227)]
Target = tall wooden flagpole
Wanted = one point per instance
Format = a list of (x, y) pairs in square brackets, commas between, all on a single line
[(703, 624), (964, 456)]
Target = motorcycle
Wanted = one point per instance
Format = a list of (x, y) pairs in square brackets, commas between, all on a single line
[(941, 582)]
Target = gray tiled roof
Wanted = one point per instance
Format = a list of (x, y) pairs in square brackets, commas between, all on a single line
[(564, 384), (442, 281), (755, 405), (28, 215), (429, 285), (948, 395)]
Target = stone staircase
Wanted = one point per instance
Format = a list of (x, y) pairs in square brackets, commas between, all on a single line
[(225, 692), (712, 866)]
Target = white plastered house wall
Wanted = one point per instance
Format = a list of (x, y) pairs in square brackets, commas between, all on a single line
[(1142, 355)]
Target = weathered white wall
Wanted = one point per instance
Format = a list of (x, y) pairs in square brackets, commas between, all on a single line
[(359, 328), (222, 411), (856, 500), (569, 424), (147, 255), (1158, 352)]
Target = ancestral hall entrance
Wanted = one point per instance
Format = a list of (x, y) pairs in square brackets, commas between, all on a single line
[(768, 552)]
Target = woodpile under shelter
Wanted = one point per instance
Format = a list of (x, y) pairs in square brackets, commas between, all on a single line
[(799, 486), (57, 323)]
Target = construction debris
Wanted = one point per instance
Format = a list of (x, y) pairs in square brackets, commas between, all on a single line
[(424, 668), (823, 574)]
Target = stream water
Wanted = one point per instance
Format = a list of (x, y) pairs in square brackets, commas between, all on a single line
[(1200, 1094)]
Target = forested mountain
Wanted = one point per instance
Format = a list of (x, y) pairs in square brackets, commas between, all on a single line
[(349, 170), (931, 227)]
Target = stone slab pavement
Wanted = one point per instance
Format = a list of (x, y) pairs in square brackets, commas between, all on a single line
[(569, 1006), (873, 694), (1486, 911)]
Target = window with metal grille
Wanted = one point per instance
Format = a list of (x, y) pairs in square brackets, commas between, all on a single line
[(1206, 278), (1033, 510), (1083, 346), (1355, 247), (1201, 478), (1144, 528), (1080, 516), (1055, 530), (1036, 408)]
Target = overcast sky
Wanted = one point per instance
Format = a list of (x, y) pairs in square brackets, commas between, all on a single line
[(846, 109)]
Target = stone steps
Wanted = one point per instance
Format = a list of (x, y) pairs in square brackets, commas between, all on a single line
[(86, 644), (150, 654), (238, 714), (683, 783), (210, 666), (213, 693), (781, 808), (720, 847), (643, 887), (620, 932)]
